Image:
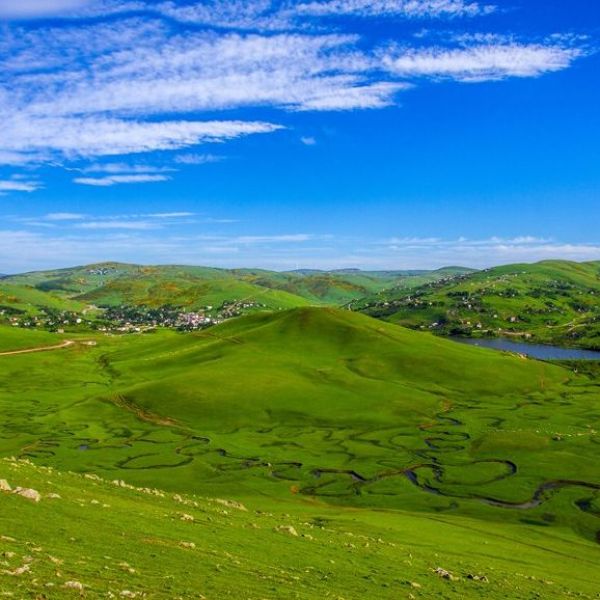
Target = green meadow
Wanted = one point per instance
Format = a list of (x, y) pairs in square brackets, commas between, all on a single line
[(389, 453)]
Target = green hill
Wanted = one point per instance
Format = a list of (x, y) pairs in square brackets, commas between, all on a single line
[(344, 286), (186, 291), (549, 302), (314, 415), (112, 284)]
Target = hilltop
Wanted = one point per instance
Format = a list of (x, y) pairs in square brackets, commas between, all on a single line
[(549, 302)]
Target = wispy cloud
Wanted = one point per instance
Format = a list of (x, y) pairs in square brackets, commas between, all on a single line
[(114, 224), (120, 179), (482, 62), (27, 9), (16, 185), (135, 83), (198, 159), (97, 136), (63, 216), (403, 8), (483, 252), (124, 168), (278, 15), (171, 215)]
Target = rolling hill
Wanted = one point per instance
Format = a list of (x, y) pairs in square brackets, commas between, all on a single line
[(367, 456), (24, 299), (549, 302), (193, 288), (390, 453)]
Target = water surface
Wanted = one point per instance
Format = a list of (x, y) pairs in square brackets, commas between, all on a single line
[(538, 351)]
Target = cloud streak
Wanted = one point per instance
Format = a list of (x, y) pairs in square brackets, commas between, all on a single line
[(120, 179), (15, 185), (31, 9), (482, 62), (395, 8)]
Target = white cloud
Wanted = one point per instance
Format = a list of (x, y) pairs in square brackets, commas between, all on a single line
[(482, 62), (198, 72), (197, 159), (275, 15), (351, 97), (137, 84), (132, 225), (278, 239), (27, 9), (15, 185), (402, 8), (308, 140), (76, 137), (234, 14), (91, 92), (171, 215), (481, 253), (64, 216), (119, 179), (124, 168)]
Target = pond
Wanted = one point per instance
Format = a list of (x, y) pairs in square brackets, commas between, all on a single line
[(538, 351)]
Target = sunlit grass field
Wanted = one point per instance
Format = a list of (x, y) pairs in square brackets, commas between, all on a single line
[(474, 461)]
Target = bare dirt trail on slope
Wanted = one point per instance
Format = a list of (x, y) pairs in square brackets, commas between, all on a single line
[(40, 349)]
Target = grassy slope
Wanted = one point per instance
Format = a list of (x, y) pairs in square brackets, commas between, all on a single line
[(114, 540), (187, 292), (343, 287), (30, 300), (253, 409), (552, 301), (17, 339)]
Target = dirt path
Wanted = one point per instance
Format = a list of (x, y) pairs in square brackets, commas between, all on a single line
[(41, 349), (142, 414)]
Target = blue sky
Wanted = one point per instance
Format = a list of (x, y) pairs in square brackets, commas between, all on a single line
[(315, 134)]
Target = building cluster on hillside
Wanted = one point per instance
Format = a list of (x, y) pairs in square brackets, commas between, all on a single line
[(127, 319), (45, 318)]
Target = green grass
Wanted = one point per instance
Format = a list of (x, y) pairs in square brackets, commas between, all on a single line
[(12, 338), (112, 539), (186, 292), (554, 302), (30, 300), (317, 416)]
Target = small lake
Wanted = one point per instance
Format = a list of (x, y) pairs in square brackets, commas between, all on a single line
[(533, 350)]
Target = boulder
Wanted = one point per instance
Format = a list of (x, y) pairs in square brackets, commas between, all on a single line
[(28, 493), (287, 529)]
